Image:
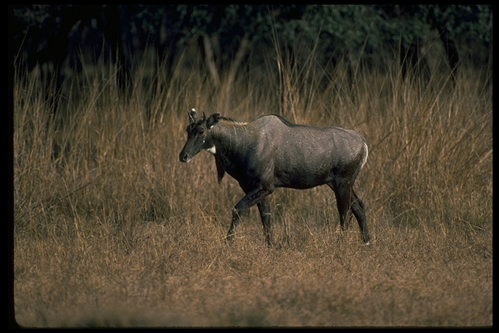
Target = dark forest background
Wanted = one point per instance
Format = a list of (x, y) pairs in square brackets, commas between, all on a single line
[(60, 39)]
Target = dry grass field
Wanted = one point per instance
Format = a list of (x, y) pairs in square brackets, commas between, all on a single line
[(110, 229)]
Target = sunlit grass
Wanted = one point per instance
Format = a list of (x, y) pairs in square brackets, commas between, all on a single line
[(110, 229)]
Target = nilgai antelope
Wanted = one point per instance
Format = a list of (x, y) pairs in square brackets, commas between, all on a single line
[(271, 152)]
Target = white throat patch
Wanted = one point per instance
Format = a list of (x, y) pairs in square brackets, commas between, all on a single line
[(212, 150)]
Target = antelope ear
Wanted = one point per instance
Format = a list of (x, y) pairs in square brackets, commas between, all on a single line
[(192, 116), (213, 120)]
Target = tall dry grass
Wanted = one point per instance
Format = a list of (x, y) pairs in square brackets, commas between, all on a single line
[(111, 230)]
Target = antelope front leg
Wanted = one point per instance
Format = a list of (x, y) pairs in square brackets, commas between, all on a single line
[(250, 199), (264, 208)]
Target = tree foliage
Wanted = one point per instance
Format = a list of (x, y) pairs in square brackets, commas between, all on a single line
[(335, 29)]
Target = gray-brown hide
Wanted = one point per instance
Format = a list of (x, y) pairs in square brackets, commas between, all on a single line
[(271, 152)]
